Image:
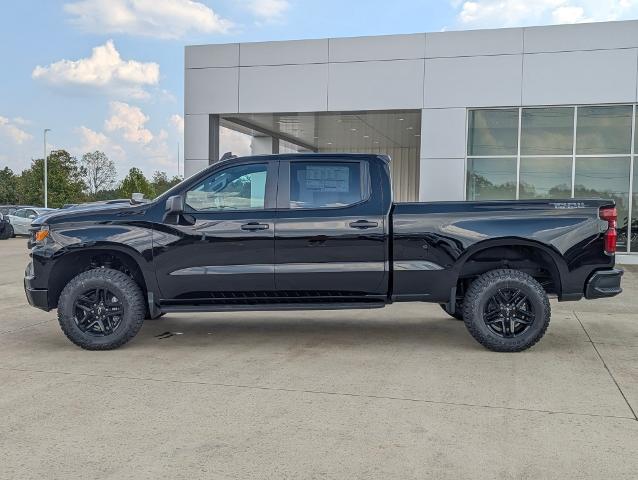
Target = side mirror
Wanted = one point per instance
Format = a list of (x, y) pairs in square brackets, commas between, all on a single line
[(175, 205), (31, 217)]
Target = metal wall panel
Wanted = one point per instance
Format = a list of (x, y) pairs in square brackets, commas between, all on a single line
[(442, 179), (602, 76), (474, 42), (473, 81), (284, 53), (583, 36), (211, 90), (196, 136), (193, 165), (385, 47), (443, 132), (287, 88), (395, 84), (206, 56)]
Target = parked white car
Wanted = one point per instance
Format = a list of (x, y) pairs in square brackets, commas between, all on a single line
[(22, 218)]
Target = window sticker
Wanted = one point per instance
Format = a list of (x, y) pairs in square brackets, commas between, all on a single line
[(331, 178)]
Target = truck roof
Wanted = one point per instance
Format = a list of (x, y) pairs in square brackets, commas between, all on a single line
[(309, 155)]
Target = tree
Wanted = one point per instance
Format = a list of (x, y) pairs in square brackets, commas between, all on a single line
[(64, 181), (161, 183), (8, 186), (98, 172), (136, 182)]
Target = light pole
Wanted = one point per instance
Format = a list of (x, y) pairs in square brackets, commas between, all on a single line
[(46, 170)]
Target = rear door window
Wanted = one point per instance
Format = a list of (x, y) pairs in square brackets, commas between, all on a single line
[(328, 184)]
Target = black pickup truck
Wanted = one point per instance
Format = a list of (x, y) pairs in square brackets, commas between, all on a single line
[(317, 231)]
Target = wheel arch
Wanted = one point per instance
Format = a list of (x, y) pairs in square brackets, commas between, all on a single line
[(515, 253), (75, 261)]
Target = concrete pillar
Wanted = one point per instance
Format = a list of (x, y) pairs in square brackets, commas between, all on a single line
[(443, 145), (263, 145), (213, 139), (196, 147)]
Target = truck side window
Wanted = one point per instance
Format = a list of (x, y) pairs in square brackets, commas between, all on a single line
[(242, 187), (327, 184)]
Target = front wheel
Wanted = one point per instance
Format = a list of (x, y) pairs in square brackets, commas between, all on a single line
[(506, 310), (101, 309)]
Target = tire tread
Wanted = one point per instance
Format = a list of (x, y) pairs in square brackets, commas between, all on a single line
[(135, 298), (473, 298)]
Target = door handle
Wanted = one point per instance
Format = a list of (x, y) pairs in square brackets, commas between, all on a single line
[(254, 226), (363, 224)]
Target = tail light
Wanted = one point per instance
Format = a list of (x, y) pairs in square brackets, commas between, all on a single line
[(610, 215)]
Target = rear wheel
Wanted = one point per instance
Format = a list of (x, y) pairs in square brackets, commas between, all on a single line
[(101, 309), (506, 310)]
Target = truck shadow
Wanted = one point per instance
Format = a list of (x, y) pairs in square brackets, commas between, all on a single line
[(305, 329)]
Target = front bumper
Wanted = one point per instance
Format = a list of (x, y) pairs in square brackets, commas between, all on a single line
[(37, 297), (604, 283)]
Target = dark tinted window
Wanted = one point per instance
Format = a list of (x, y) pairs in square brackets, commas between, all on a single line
[(327, 184)]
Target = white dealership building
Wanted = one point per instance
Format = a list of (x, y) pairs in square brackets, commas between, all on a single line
[(539, 112)]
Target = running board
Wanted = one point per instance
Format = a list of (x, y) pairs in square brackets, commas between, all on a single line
[(271, 307)]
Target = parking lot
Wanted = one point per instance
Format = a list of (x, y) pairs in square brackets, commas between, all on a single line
[(403, 392)]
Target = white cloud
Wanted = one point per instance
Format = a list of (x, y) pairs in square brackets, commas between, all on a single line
[(236, 142), (9, 129), (155, 18), (92, 141), (178, 122), (103, 70), (130, 121), (268, 10), (21, 121), (511, 13), (569, 14)]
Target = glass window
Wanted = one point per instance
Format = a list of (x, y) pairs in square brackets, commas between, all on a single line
[(491, 178), (547, 131), (327, 184), (493, 132), (546, 177), (20, 213), (634, 212), (604, 130), (238, 188), (606, 178)]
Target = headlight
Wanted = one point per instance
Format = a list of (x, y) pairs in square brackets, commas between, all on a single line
[(40, 235)]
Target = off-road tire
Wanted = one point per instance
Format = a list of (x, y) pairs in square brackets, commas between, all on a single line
[(458, 310), (7, 232), (482, 290), (129, 294)]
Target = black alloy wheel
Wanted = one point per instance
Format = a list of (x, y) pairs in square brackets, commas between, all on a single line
[(506, 310), (101, 309), (97, 312), (508, 313)]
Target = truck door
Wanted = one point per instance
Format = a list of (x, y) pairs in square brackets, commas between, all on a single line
[(229, 247), (329, 231)]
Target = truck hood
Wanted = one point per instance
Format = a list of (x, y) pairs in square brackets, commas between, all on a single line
[(93, 211)]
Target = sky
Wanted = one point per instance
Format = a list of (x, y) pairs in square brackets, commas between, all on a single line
[(109, 74)]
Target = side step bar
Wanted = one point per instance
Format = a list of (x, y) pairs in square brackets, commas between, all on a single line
[(270, 307)]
